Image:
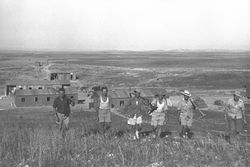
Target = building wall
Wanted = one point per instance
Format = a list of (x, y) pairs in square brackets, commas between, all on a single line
[(63, 76), (41, 100), (117, 101)]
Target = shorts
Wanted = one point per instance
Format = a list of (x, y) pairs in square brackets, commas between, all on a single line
[(157, 118), (186, 120), (234, 125), (135, 120), (104, 115), (63, 119)]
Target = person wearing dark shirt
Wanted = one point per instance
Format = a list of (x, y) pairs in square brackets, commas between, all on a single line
[(61, 107), (134, 110)]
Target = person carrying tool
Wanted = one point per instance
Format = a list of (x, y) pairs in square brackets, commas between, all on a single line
[(134, 110), (186, 108), (235, 115), (158, 115)]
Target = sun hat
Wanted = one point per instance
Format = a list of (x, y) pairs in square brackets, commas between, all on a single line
[(186, 93), (237, 93)]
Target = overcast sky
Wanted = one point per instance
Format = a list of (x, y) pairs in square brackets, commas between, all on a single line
[(124, 24)]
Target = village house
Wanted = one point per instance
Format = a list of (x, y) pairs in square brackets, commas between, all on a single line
[(40, 97), (12, 86), (58, 75)]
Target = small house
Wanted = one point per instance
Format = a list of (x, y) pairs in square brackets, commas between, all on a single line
[(62, 75), (120, 97), (40, 97), (12, 86)]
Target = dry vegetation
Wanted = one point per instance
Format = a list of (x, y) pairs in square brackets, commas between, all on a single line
[(39, 147), (32, 138)]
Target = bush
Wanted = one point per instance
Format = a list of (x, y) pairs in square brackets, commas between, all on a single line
[(219, 102), (199, 102)]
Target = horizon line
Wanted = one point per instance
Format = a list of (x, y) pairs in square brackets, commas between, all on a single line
[(121, 50)]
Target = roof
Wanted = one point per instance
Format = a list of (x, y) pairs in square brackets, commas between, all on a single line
[(38, 82), (151, 92), (34, 92), (120, 93), (145, 92), (22, 92), (59, 72)]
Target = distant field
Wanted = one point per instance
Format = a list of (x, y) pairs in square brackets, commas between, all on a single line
[(195, 70), (205, 70)]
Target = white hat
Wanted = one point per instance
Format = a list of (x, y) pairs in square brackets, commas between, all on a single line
[(237, 93), (186, 93)]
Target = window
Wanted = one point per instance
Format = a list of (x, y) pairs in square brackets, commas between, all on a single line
[(121, 103), (36, 99), (72, 97), (23, 99), (48, 98), (30, 88), (40, 88)]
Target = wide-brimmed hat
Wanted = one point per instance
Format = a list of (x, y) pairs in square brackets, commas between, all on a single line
[(186, 93), (237, 93)]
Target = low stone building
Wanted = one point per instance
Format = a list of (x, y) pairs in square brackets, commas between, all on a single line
[(40, 97), (57, 75), (12, 86)]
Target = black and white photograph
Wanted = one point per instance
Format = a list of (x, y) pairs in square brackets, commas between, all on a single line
[(124, 83)]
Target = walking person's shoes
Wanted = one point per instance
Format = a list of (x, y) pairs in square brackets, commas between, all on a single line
[(181, 135), (189, 135)]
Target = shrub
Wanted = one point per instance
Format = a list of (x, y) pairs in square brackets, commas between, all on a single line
[(219, 102), (200, 102)]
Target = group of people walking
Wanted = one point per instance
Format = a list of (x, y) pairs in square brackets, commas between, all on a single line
[(157, 109)]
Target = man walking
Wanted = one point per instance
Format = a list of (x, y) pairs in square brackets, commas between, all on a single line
[(134, 109), (61, 107), (103, 106), (158, 115), (186, 108), (235, 115)]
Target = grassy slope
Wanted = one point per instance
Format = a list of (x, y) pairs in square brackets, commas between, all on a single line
[(32, 137)]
